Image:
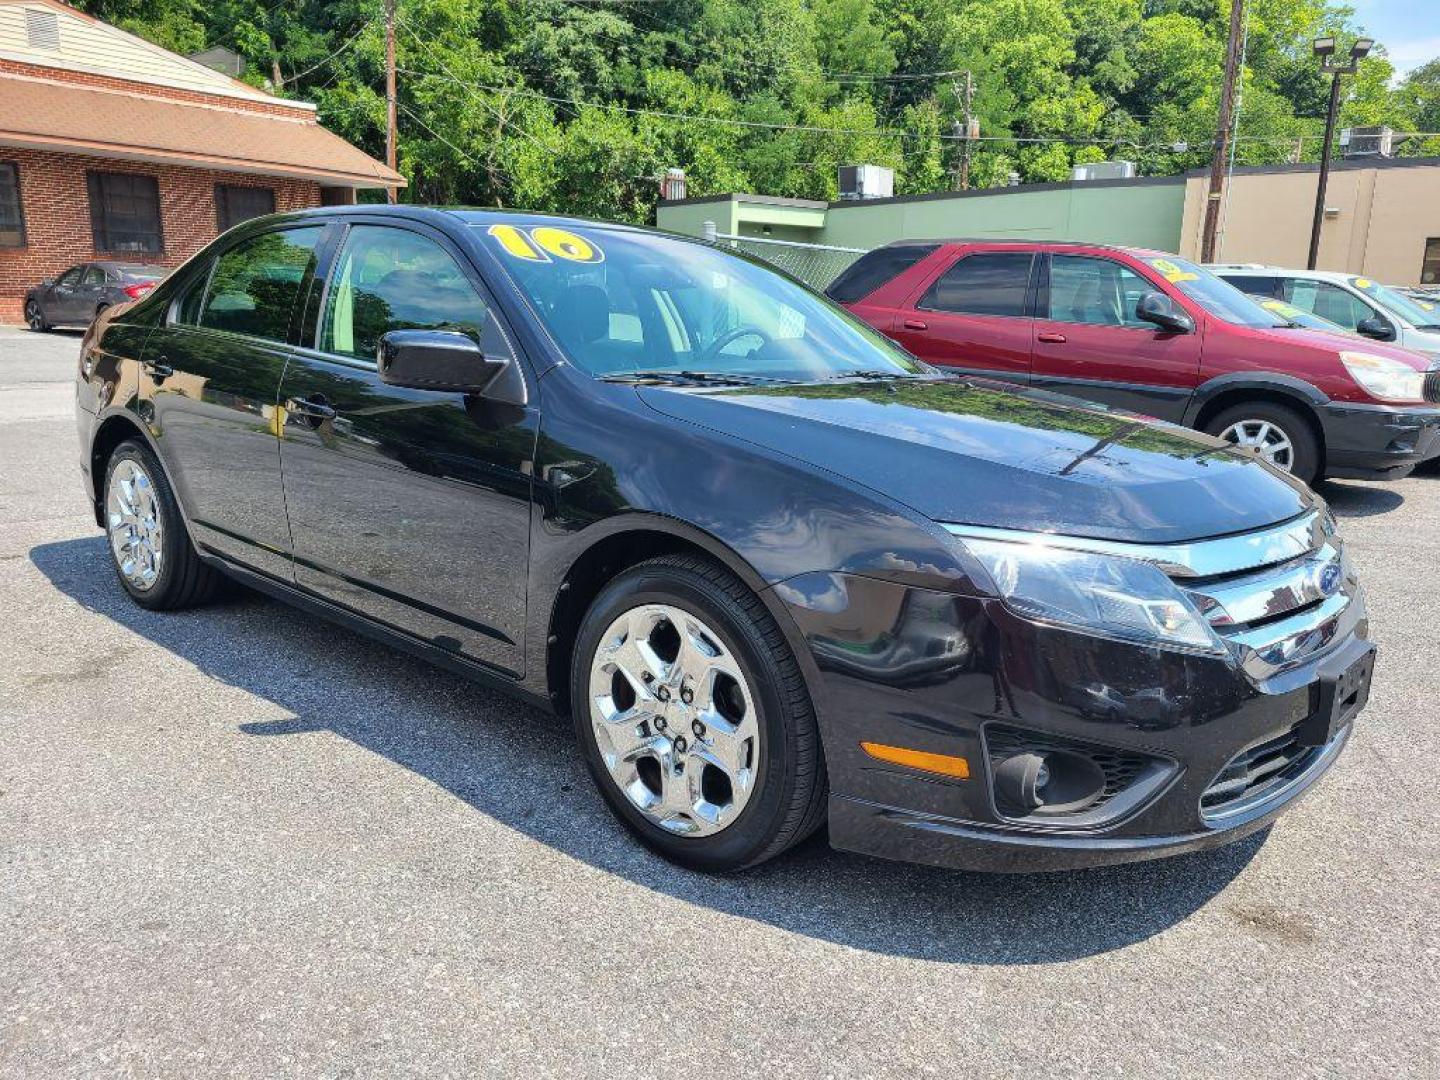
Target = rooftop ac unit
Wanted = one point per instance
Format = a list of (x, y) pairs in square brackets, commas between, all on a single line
[(1104, 170), (866, 182), (1367, 141)]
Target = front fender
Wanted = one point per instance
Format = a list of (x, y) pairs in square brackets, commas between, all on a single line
[(1274, 382)]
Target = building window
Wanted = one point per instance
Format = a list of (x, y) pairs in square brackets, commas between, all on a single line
[(1430, 268), (235, 203), (12, 218), (125, 212)]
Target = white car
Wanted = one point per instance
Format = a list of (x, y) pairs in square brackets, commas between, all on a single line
[(1354, 301)]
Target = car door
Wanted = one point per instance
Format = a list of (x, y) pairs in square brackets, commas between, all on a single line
[(1331, 301), (973, 315), (89, 293), (60, 303), (409, 506), (209, 387), (1089, 343)]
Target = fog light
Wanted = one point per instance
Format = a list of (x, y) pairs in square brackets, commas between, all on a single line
[(1056, 782)]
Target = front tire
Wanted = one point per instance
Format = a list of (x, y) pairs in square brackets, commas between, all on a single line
[(694, 718), (149, 547), (1275, 432), (34, 318)]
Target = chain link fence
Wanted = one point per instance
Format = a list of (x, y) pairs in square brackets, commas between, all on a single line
[(817, 265)]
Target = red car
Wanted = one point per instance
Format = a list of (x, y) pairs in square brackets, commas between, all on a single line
[(1154, 334)]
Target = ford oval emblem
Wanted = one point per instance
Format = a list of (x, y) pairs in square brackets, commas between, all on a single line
[(1330, 578)]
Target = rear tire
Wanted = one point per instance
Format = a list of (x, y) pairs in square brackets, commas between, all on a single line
[(1275, 432), (149, 547), (714, 761)]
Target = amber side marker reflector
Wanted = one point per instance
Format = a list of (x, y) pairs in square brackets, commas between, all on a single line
[(944, 764)]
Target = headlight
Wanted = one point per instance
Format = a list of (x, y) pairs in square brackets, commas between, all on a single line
[(1103, 595), (1385, 378)]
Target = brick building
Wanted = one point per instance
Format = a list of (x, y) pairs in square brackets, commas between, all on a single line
[(111, 147)]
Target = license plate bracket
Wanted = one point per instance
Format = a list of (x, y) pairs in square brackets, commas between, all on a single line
[(1344, 690)]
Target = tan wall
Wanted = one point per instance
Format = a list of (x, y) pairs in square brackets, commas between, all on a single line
[(1385, 216)]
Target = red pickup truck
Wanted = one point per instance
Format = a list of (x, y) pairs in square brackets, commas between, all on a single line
[(1152, 333)]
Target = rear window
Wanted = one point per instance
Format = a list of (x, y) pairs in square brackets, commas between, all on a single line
[(1254, 284), (875, 268), (989, 283)]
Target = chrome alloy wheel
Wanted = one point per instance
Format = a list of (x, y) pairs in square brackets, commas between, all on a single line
[(132, 514), (1267, 440), (674, 719)]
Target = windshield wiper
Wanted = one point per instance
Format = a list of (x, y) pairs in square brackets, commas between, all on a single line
[(873, 374), (681, 377)]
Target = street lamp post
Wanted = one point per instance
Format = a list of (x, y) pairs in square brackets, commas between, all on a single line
[(1325, 48)]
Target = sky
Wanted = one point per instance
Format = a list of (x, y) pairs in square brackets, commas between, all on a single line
[(1409, 29)]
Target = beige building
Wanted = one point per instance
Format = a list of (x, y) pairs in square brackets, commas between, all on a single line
[(1382, 218)]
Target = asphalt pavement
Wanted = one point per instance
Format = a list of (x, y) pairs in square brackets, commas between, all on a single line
[(240, 842)]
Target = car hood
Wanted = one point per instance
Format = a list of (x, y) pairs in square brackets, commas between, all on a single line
[(973, 453), (1332, 343)]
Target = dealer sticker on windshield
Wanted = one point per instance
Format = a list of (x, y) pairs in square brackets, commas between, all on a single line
[(1173, 273), (539, 243)]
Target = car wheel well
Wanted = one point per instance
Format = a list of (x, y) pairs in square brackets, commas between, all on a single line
[(590, 573), (112, 432), (1228, 398)]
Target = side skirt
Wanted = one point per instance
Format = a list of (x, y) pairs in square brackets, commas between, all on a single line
[(383, 634)]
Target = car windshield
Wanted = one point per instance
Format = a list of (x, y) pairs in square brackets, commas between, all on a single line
[(1219, 298), (629, 304), (1418, 313)]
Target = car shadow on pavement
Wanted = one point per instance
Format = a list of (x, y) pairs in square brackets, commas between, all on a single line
[(520, 766), (1359, 500)]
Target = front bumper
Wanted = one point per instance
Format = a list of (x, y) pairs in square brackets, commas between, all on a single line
[(1378, 442), (942, 673), (891, 832)]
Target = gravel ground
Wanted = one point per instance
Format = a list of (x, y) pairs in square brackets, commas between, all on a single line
[(239, 842)]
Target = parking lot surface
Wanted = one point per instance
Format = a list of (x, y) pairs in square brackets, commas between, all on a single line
[(238, 841)]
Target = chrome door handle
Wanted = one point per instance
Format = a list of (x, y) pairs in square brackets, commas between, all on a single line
[(158, 368), (316, 407)]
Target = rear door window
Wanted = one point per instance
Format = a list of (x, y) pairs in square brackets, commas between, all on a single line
[(94, 275), (256, 285), (987, 283), (1255, 284), (875, 268)]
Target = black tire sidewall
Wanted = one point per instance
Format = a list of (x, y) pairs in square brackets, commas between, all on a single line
[(37, 323), (174, 542), (1306, 462), (752, 832)]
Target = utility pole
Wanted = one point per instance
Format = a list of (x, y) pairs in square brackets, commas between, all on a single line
[(390, 125), (969, 122), (1324, 48), (1222, 133), (961, 169)]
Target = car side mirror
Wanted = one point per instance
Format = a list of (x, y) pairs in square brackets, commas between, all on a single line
[(449, 362), (1157, 308), (1376, 327)]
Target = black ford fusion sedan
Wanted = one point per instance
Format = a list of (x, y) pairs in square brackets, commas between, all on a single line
[(778, 571)]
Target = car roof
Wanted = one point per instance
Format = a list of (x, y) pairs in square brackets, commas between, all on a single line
[(469, 215), (1144, 253), (1261, 270)]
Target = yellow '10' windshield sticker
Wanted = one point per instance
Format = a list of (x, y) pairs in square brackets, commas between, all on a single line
[(539, 243), (1173, 273)]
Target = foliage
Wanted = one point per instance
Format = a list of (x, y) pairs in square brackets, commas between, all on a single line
[(581, 106)]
